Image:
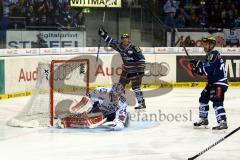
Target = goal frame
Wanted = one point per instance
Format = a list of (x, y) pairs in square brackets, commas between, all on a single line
[(51, 105)]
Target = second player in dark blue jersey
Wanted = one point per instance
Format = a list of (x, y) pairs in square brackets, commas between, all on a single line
[(213, 67), (133, 63)]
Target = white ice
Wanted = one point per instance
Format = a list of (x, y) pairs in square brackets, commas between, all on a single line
[(162, 140)]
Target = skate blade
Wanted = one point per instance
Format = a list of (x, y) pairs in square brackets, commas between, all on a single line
[(201, 127), (222, 131)]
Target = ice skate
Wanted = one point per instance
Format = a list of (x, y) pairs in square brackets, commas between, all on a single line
[(141, 107), (202, 123), (221, 126)]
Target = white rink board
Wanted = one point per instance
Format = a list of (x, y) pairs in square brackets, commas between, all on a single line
[(109, 64), (20, 72)]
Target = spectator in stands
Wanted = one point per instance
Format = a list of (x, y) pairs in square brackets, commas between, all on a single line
[(44, 13), (223, 17), (5, 19), (181, 18), (66, 17), (79, 21), (196, 23), (202, 14), (237, 21), (215, 16), (56, 11), (169, 20), (231, 14), (19, 9), (31, 17), (170, 8)]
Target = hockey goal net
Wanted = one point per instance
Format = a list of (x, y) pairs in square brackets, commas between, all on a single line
[(58, 85)]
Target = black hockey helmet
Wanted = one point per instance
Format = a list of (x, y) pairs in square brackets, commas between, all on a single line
[(125, 35)]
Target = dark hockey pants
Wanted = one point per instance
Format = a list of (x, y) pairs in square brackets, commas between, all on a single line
[(214, 93)]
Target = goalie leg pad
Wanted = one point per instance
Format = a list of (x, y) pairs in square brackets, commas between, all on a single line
[(78, 121)]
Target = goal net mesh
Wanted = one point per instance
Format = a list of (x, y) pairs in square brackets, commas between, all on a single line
[(58, 85)]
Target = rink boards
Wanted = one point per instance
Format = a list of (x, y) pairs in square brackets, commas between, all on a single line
[(165, 67)]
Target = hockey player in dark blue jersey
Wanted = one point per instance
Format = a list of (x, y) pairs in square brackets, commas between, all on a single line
[(213, 67), (133, 64)]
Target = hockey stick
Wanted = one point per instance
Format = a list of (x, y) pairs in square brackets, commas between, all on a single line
[(100, 38), (108, 2), (214, 144), (175, 30)]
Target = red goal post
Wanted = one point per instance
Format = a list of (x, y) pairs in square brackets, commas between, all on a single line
[(52, 81)]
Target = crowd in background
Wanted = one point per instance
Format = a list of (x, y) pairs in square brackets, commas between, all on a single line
[(201, 13), (176, 13), (52, 13)]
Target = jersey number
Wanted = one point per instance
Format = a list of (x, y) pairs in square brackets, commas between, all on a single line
[(222, 68)]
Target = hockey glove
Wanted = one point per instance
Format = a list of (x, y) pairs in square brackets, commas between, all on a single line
[(102, 32), (197, 66)]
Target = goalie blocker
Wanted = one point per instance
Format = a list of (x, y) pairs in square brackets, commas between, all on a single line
[(104, 106)]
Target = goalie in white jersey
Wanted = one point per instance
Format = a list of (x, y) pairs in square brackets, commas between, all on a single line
[(103, 106)]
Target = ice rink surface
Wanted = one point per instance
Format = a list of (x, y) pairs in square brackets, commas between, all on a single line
[(153, 140)]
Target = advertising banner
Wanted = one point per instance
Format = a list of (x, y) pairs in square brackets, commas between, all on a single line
[(45, 39), (96, 3), (194, 37), (184, 74), (231, 37), (21, 73)]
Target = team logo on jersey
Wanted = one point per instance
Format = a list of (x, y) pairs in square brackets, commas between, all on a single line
[(130, 52), (210, 57)]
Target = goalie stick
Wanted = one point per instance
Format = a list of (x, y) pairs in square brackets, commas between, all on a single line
[(214, 144)]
